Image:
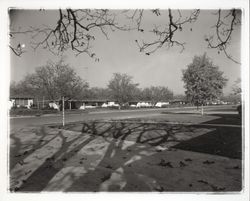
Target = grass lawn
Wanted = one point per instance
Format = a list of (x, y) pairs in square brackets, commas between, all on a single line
[(165, 153), (30, 112)]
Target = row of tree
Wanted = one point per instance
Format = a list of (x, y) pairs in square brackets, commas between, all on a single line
[(55, 80), (203, 82)]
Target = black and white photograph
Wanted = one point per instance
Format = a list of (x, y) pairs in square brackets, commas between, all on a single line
[(127, 100)]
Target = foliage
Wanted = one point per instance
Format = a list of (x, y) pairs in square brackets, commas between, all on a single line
[(179, 97), (122, 88), (55, 80), (52, 81), (22, 89), (203, 80), (25, 112), (235, 96), (97, 93), (237, 87), (231, 98), (156, 94)]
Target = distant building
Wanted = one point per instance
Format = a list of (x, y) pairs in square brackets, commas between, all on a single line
[(89, 103), (21, 102), (178, 102)]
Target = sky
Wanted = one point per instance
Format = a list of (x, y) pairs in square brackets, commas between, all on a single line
[(121, 54)]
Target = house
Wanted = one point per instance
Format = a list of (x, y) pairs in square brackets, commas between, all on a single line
[(20, 101), (84, 104), (178, 102)]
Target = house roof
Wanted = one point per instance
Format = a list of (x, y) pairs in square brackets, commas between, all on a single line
[(20, 97)]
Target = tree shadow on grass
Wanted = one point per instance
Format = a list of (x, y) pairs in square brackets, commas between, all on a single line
[(120, 157), (114, 133), (223, 141), (118, 160), (229, 119), (39, 179), (49, 166)]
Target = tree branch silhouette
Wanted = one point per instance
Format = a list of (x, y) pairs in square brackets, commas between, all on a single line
[(76, 29)]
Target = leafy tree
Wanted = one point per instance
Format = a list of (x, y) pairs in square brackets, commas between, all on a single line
[(231, 98), (14, 89), (76, 29), (235, 96), (53, 81), (122, 88), (203, 80), (179, 97), (157, 93), (22, 89), (237, 87), (97, 93)]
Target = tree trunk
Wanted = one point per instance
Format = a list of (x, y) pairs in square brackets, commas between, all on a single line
[(202, 109)]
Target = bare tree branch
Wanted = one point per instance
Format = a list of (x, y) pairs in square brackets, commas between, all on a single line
[(224, 31), (165, 35), (75, 29), (18, 51)]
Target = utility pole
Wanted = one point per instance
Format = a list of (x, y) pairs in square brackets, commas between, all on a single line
[(63, 115)]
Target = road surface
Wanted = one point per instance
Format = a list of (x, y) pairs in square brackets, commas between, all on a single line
[(20, 122)]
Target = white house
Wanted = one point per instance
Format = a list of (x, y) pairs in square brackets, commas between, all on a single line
[(21, 102)]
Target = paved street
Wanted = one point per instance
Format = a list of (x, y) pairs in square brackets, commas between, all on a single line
[(19, 122)]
